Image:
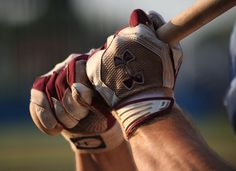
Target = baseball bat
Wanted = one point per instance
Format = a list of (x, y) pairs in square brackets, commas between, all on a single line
[(199, 14)]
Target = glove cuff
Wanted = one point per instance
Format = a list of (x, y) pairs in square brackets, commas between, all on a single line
[(95, 143), (135, 113)]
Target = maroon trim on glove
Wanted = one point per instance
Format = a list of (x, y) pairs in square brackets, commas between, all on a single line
[(137, 17), (72, 68), (47, 86), (61, 83), (50, 89), (118, 106), (136, 124), (40, 83), (56, 84), (66, 76)]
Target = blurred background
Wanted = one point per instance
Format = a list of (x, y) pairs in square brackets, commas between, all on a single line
[(37, 34)]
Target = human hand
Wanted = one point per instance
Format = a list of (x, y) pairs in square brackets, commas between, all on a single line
[(135, 73), (63, 101)]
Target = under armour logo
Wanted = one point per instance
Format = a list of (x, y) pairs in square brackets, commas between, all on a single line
[(133, 77)]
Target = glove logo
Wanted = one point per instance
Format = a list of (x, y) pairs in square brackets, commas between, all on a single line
[(132, 77), (89, 142)]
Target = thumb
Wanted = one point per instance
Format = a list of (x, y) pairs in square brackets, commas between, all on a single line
[(156, 19)]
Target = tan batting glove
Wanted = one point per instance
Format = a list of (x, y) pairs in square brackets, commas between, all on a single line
[(62, 101), (135, 73)]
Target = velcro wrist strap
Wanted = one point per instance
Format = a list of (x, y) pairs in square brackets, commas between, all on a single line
[(135, 113), (95, 143)]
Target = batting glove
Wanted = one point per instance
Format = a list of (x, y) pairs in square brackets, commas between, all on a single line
[(135, 73), (62, 101)]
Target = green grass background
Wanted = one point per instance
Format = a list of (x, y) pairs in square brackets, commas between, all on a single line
[(24, 148)]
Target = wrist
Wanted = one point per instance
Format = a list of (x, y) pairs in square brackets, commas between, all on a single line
[(95, 142), (133, 112)]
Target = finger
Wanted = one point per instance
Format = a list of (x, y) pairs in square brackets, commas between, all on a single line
[(156, 19), (73, 109), (137, 17), (77, 71), (34, 112), (53, 96), (45, 109), (63, 116), (82, 91), (40, 106)]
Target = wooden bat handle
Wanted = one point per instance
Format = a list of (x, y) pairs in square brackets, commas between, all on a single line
[(201, 13)]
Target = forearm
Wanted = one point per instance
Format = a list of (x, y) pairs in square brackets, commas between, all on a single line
[(172, 143), (118, 159), (84, 162)]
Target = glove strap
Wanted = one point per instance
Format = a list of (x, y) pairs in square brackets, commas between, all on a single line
[(95, 143), (135, 113)]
